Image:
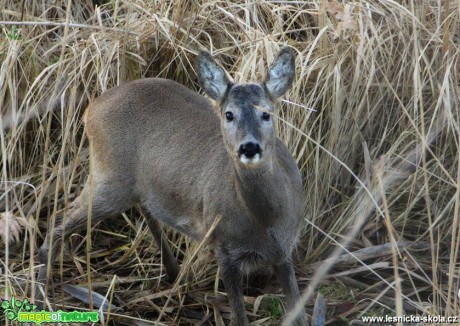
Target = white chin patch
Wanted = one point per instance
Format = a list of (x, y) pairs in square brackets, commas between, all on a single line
[(253, 160)]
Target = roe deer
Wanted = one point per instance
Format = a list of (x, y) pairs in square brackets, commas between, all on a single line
[(187, 160)]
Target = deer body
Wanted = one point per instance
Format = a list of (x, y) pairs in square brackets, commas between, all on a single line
[(161, 145)]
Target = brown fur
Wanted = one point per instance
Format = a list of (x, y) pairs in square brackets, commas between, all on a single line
[(161, 145)]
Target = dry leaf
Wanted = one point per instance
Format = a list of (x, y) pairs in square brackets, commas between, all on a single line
[(14, 227), (334, 8), (344, 16), (346, 19)]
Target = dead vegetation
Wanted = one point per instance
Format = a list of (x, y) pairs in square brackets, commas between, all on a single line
[(372, 118)]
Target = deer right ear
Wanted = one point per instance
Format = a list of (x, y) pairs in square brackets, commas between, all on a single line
[(281, 73), (212, 77)]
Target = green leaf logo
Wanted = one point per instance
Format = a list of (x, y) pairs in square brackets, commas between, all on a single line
[(12, 308)]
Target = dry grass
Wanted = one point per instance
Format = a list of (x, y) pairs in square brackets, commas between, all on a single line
[(379, 156)]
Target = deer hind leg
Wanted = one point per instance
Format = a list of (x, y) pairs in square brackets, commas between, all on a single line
[(108, 199), (169, 261)]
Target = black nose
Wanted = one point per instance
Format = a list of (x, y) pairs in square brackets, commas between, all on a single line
[(249, 149)]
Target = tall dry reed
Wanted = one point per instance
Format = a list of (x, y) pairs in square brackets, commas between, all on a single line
[(373, 120)]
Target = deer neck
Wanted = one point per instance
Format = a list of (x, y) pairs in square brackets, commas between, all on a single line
[(260, 190)]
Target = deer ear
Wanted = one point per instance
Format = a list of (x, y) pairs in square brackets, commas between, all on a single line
[(212, 77), (281, 73)]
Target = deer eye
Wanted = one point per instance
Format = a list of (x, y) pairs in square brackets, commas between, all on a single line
[(229, 116), (265, 116)]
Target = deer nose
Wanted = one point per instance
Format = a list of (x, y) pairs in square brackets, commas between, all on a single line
[(249, 149)]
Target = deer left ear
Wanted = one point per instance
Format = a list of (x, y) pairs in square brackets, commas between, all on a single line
[(212, 77), (281, 73)]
